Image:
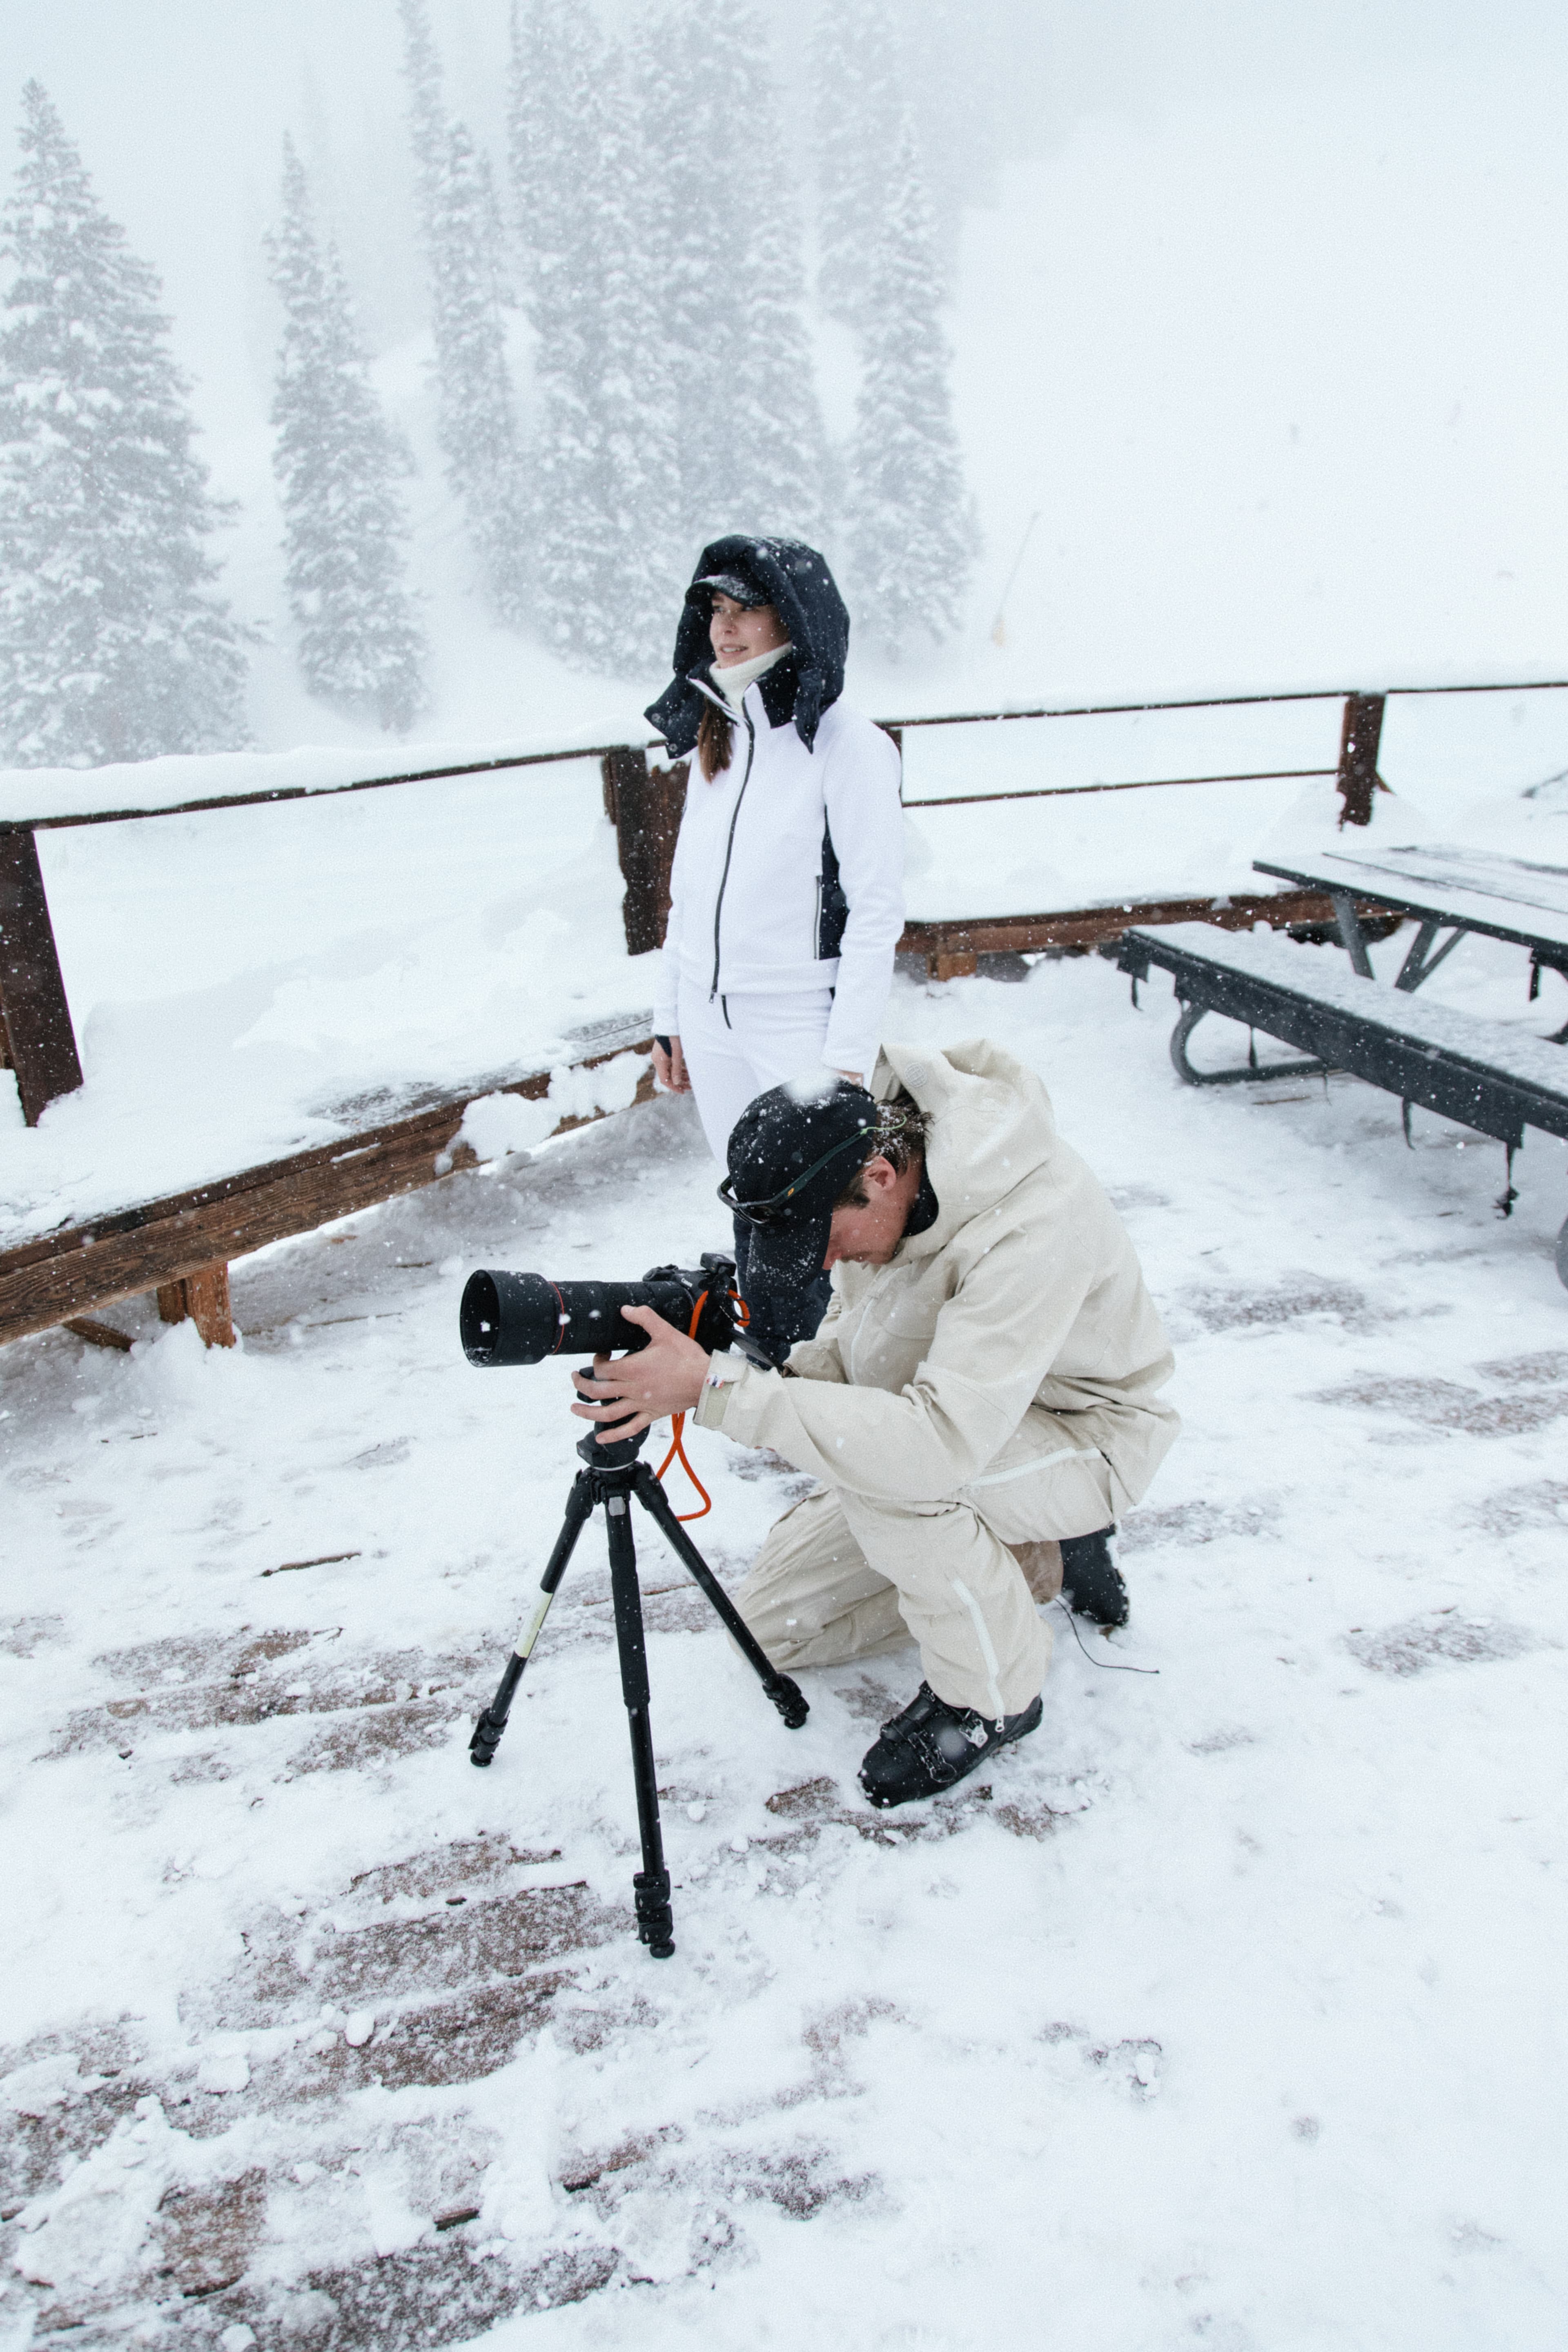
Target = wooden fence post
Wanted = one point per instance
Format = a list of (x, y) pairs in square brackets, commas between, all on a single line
[(1358, 778), (644, 805), (40, 1044)]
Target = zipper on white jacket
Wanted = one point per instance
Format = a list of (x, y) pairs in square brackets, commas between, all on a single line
[(729, 843)]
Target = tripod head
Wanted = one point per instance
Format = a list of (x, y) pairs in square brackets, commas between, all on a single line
[(621, 1453)]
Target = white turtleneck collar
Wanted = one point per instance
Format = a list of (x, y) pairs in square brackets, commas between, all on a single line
[(733, 680)]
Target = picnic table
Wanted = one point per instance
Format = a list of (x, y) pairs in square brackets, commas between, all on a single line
[(1443, 886)]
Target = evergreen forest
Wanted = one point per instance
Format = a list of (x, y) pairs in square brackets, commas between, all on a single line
[(658, 241)]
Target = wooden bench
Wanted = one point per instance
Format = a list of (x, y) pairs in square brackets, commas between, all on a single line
[(1488, 1075), (182, 1246)]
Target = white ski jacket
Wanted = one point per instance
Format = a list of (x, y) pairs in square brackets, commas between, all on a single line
[(788, 876)]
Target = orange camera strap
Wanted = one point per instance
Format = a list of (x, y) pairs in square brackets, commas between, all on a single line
[(677, 1426)]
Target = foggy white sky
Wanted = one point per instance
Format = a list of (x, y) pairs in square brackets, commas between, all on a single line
[(180, 105)]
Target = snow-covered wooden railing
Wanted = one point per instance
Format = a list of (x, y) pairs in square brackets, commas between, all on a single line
[(38, 1038), (643, 801)]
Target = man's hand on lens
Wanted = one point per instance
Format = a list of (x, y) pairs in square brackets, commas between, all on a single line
[(633, 1391)]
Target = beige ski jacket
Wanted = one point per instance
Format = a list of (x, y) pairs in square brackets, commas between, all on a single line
[(1023, 1296)]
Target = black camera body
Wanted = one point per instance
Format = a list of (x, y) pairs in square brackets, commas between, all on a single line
[(525, 1319)]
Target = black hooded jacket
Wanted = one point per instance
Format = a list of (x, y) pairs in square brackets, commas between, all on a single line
[(796, 580)]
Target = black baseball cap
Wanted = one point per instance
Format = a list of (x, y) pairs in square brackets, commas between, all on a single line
[(790, 1156), (731, 584)]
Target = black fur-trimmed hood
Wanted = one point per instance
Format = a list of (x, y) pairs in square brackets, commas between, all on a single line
[(796, 580)]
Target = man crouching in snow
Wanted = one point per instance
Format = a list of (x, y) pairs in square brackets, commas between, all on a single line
[(982, 1390)]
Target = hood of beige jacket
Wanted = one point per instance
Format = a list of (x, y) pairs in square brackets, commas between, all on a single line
[(993, 1126)]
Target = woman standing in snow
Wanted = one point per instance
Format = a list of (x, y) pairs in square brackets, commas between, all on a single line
[(787, 896)]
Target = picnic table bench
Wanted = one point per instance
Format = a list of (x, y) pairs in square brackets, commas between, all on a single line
[(1487, 1075)]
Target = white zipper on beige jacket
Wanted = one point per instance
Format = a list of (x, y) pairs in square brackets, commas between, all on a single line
[(1025, 1294)]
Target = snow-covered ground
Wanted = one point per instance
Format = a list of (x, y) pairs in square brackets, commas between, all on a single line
[(1223, 2012)]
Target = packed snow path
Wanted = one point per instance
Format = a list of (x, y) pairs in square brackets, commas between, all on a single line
[(1221, 2010)]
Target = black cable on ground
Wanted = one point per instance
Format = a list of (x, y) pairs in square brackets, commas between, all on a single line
[(1107, 1664)]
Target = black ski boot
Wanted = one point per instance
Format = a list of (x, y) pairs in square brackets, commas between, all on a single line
[(931, 1745), (1091, 1581)]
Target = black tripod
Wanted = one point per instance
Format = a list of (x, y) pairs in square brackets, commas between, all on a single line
[(614, 1473)]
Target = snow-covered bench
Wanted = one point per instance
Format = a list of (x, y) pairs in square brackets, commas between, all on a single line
[(181, 1247), (64, 1256), (1491, 1076)]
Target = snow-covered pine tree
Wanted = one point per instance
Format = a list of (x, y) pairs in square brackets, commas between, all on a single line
[(605, 557), (478, 427), (461, 222), (782, 447), (427, 114), (337, 461), (551, 140), (647, 563), (112, 646), (724, 260), (554, 120), (911, 535), (857, 78)]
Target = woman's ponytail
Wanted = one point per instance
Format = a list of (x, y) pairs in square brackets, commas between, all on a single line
[(714, 738)]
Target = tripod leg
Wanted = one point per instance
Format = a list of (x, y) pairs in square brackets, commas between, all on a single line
[(655, 1923), (487, 1732), (785, 1693)]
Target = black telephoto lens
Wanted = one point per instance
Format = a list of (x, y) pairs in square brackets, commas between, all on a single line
[(521, 1319)]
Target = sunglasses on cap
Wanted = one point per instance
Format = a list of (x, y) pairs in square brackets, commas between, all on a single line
[(774, 1210)]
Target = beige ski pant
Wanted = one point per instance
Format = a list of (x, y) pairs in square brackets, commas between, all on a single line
[(842, 1575)]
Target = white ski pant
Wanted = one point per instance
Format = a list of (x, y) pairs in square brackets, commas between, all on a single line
[(738, 1047), (842, 1575)]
